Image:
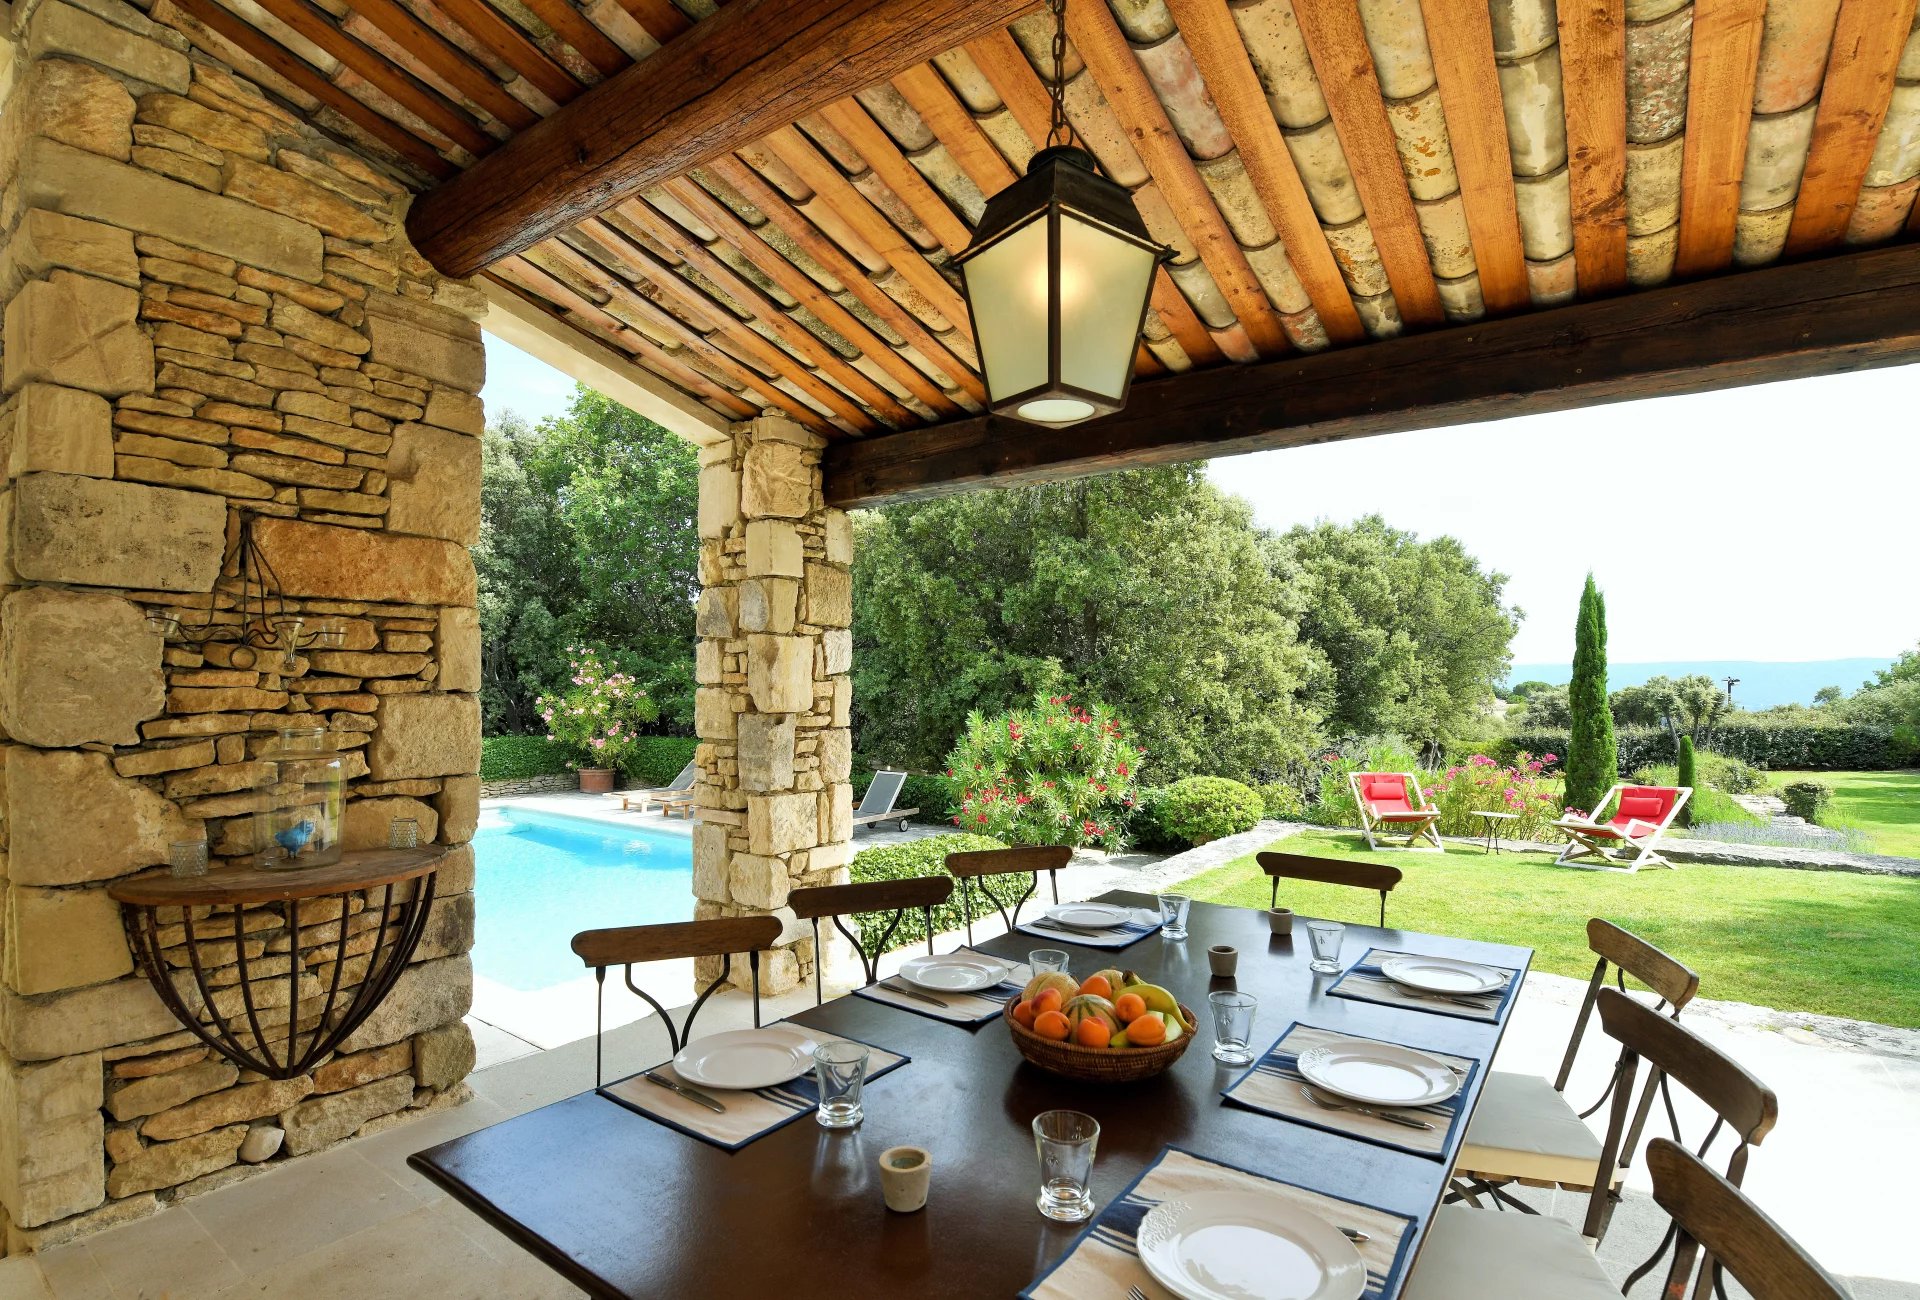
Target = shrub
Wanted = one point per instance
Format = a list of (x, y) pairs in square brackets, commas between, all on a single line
[(1057, 773), (1686, 773), (598, 718), (656, 760), (516, 758), (1145, 829), (923, 857), (1708, 805), (1805, 799), (1284, 803), (1482, 785), (1205, 808), (932, 795), (1723, 772), (1751, 739)]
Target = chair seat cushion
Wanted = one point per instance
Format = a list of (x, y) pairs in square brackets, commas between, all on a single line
[(1522, 1128), (1487, 1255), (1405, 815)]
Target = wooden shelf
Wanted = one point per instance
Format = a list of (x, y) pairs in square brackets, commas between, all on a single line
[(248, 886)]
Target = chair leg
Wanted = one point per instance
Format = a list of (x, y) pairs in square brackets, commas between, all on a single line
[(819, 994), (599, 1017), (753, 964)]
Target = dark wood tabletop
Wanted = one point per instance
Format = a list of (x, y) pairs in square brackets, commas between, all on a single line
[(625, 1207)]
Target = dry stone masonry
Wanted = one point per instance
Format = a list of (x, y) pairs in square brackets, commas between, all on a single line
[(211, 308), (773, 802)]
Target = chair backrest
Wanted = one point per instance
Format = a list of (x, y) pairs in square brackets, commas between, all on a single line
[(626, 945), (972, 870), (1648, 804), (685, 778), (1740, 1102), (1329, 871), (896, 896), (1711, 1213), (881, 793), (1385, 791), (1626, 954)]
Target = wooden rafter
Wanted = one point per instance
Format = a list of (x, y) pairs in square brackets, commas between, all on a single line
[(446, 61), (1593, 68), (514, 48), (929, 95), (858, 128), (1726, 57)]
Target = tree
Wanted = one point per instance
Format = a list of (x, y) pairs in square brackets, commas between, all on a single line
[(1688, 706), (1593, 760), (1524, 690), (1147, 590), (1545, 708), (1892, 699), (1414, 630), (1688, 777)]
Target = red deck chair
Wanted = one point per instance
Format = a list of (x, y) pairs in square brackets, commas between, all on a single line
[(1391, 805), (1628, 840)]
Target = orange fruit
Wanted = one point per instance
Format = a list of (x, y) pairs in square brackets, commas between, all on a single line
[(1046, 1000), (1129, 1007), (1023, 1013), (1147, 1031), (1098, 986), (1051, 1024), (1091, 1032)]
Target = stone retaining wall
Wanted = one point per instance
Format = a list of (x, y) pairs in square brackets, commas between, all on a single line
[(211, 308), (551, 783)]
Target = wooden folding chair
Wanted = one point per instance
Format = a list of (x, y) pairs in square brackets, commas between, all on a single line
[(973, 869), (1471, 1254), (1714, 1217), (837, 901), (1393, 804), (1629, 840), (1329, 871), (624, 946), (1525, 1130)]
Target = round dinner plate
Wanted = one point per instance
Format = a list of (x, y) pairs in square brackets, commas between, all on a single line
[(1440, 974), (1090, 916), (1235, 1246), (747, 1058), (1378, 1074), (954, 972)]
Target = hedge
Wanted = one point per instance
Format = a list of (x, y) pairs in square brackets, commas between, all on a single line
[(516, 758), (656, 760), (923, 857), (1775, 746)]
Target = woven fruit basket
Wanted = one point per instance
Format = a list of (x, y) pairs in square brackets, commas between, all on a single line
[(1096, 1064)]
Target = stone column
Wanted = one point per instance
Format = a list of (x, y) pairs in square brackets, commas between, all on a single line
[(210, 307), (773, 801)]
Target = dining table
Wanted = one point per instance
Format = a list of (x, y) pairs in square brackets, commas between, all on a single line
[(626, 1207)]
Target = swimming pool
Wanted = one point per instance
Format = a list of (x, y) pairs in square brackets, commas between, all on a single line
[(543, 878)]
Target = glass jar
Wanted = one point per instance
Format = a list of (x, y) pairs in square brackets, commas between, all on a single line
[(303, 803)]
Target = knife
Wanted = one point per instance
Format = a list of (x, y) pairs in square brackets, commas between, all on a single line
[(912, 993), (691, 1094)]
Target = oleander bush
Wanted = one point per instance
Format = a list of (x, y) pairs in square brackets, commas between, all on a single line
[(1054, 773), (600, 717), (519, 758), (1483, 785), (923, 857), (1201, 809), (1806, 799), (1284, 802), (1335, 805)]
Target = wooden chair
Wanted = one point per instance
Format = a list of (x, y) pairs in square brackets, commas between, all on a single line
[(1392, 803), (623, 946), (1525, 1130), (1630, 839), (1713, 1216), (1330, 871), (1471, 1254), (837, 901), (972, 870)]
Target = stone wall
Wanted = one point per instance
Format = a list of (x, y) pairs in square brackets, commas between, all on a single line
[(551, 783), (773, 802), (210, 308)]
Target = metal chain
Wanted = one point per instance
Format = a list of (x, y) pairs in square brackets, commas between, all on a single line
[(1058, 130)]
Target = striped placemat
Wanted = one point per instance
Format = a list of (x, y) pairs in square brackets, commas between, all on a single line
[(1103, 1261), (957, 1008), (1365, 982), (1123, 935)]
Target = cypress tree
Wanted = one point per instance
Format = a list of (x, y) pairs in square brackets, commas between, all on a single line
[(1686, 779), (1593, 759)]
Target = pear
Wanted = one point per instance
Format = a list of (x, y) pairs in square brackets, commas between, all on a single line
[(1174, 1027), (1119, 1040)]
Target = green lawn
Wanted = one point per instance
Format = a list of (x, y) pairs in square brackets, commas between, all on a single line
[(1885, 805), (1818, 941)]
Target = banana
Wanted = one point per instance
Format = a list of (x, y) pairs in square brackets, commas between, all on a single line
[(1158, 999)]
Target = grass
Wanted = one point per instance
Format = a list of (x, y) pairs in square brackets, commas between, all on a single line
[(1883, 805), (1815, 941)]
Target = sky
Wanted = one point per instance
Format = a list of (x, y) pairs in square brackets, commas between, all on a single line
[(1774, 522)]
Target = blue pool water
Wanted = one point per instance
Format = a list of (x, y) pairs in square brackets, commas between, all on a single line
[(542, 879)]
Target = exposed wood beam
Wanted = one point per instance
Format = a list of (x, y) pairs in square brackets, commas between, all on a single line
[(514, 48), (953, 125), (1177, 314), (571, 26), (1725, 59), (851, 119), (1593, 66), (751, 68), (446, 60), (1843, 313), (1005, 66)]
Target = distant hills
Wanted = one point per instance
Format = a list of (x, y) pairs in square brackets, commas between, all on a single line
[(1762, 685)]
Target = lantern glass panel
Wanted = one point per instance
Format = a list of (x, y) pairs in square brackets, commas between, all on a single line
[(1007, 287), (1104, 281)]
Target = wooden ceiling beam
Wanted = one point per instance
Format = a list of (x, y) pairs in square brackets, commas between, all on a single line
[(1177, 314), (447, 61), (928, 94), (1723, 63), (658, 18), (514, 48), (851, 119), (1843, 313), (754, 66), (1593, 69), (572, 26), (1004, 64)]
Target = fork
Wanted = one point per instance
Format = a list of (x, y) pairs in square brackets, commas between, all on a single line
[(1405, 1121)]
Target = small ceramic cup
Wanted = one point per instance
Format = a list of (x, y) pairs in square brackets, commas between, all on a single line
[(1223, 958), (1280, 920), (905, 1173)]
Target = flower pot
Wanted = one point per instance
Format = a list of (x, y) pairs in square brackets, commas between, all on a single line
[(596, 780)]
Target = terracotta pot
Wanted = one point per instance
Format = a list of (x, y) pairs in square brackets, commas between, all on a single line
[(596, 780)]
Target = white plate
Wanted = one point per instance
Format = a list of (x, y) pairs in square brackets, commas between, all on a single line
[(1440, 974), (1233, 1246), (747, 1058), (1379, 1074), (954, 972), (1090, 916)]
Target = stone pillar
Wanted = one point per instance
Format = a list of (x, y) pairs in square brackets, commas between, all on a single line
[(210, 307), (774, 803)]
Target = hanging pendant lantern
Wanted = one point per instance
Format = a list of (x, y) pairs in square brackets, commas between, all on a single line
[(1057, 279)]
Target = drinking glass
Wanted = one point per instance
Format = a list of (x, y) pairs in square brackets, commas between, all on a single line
[(187, 857), (1065, 1140), (841, 1069), (1043, 960), (1326, 937), (403, 833), (1173, 915), (1233, 1026)]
